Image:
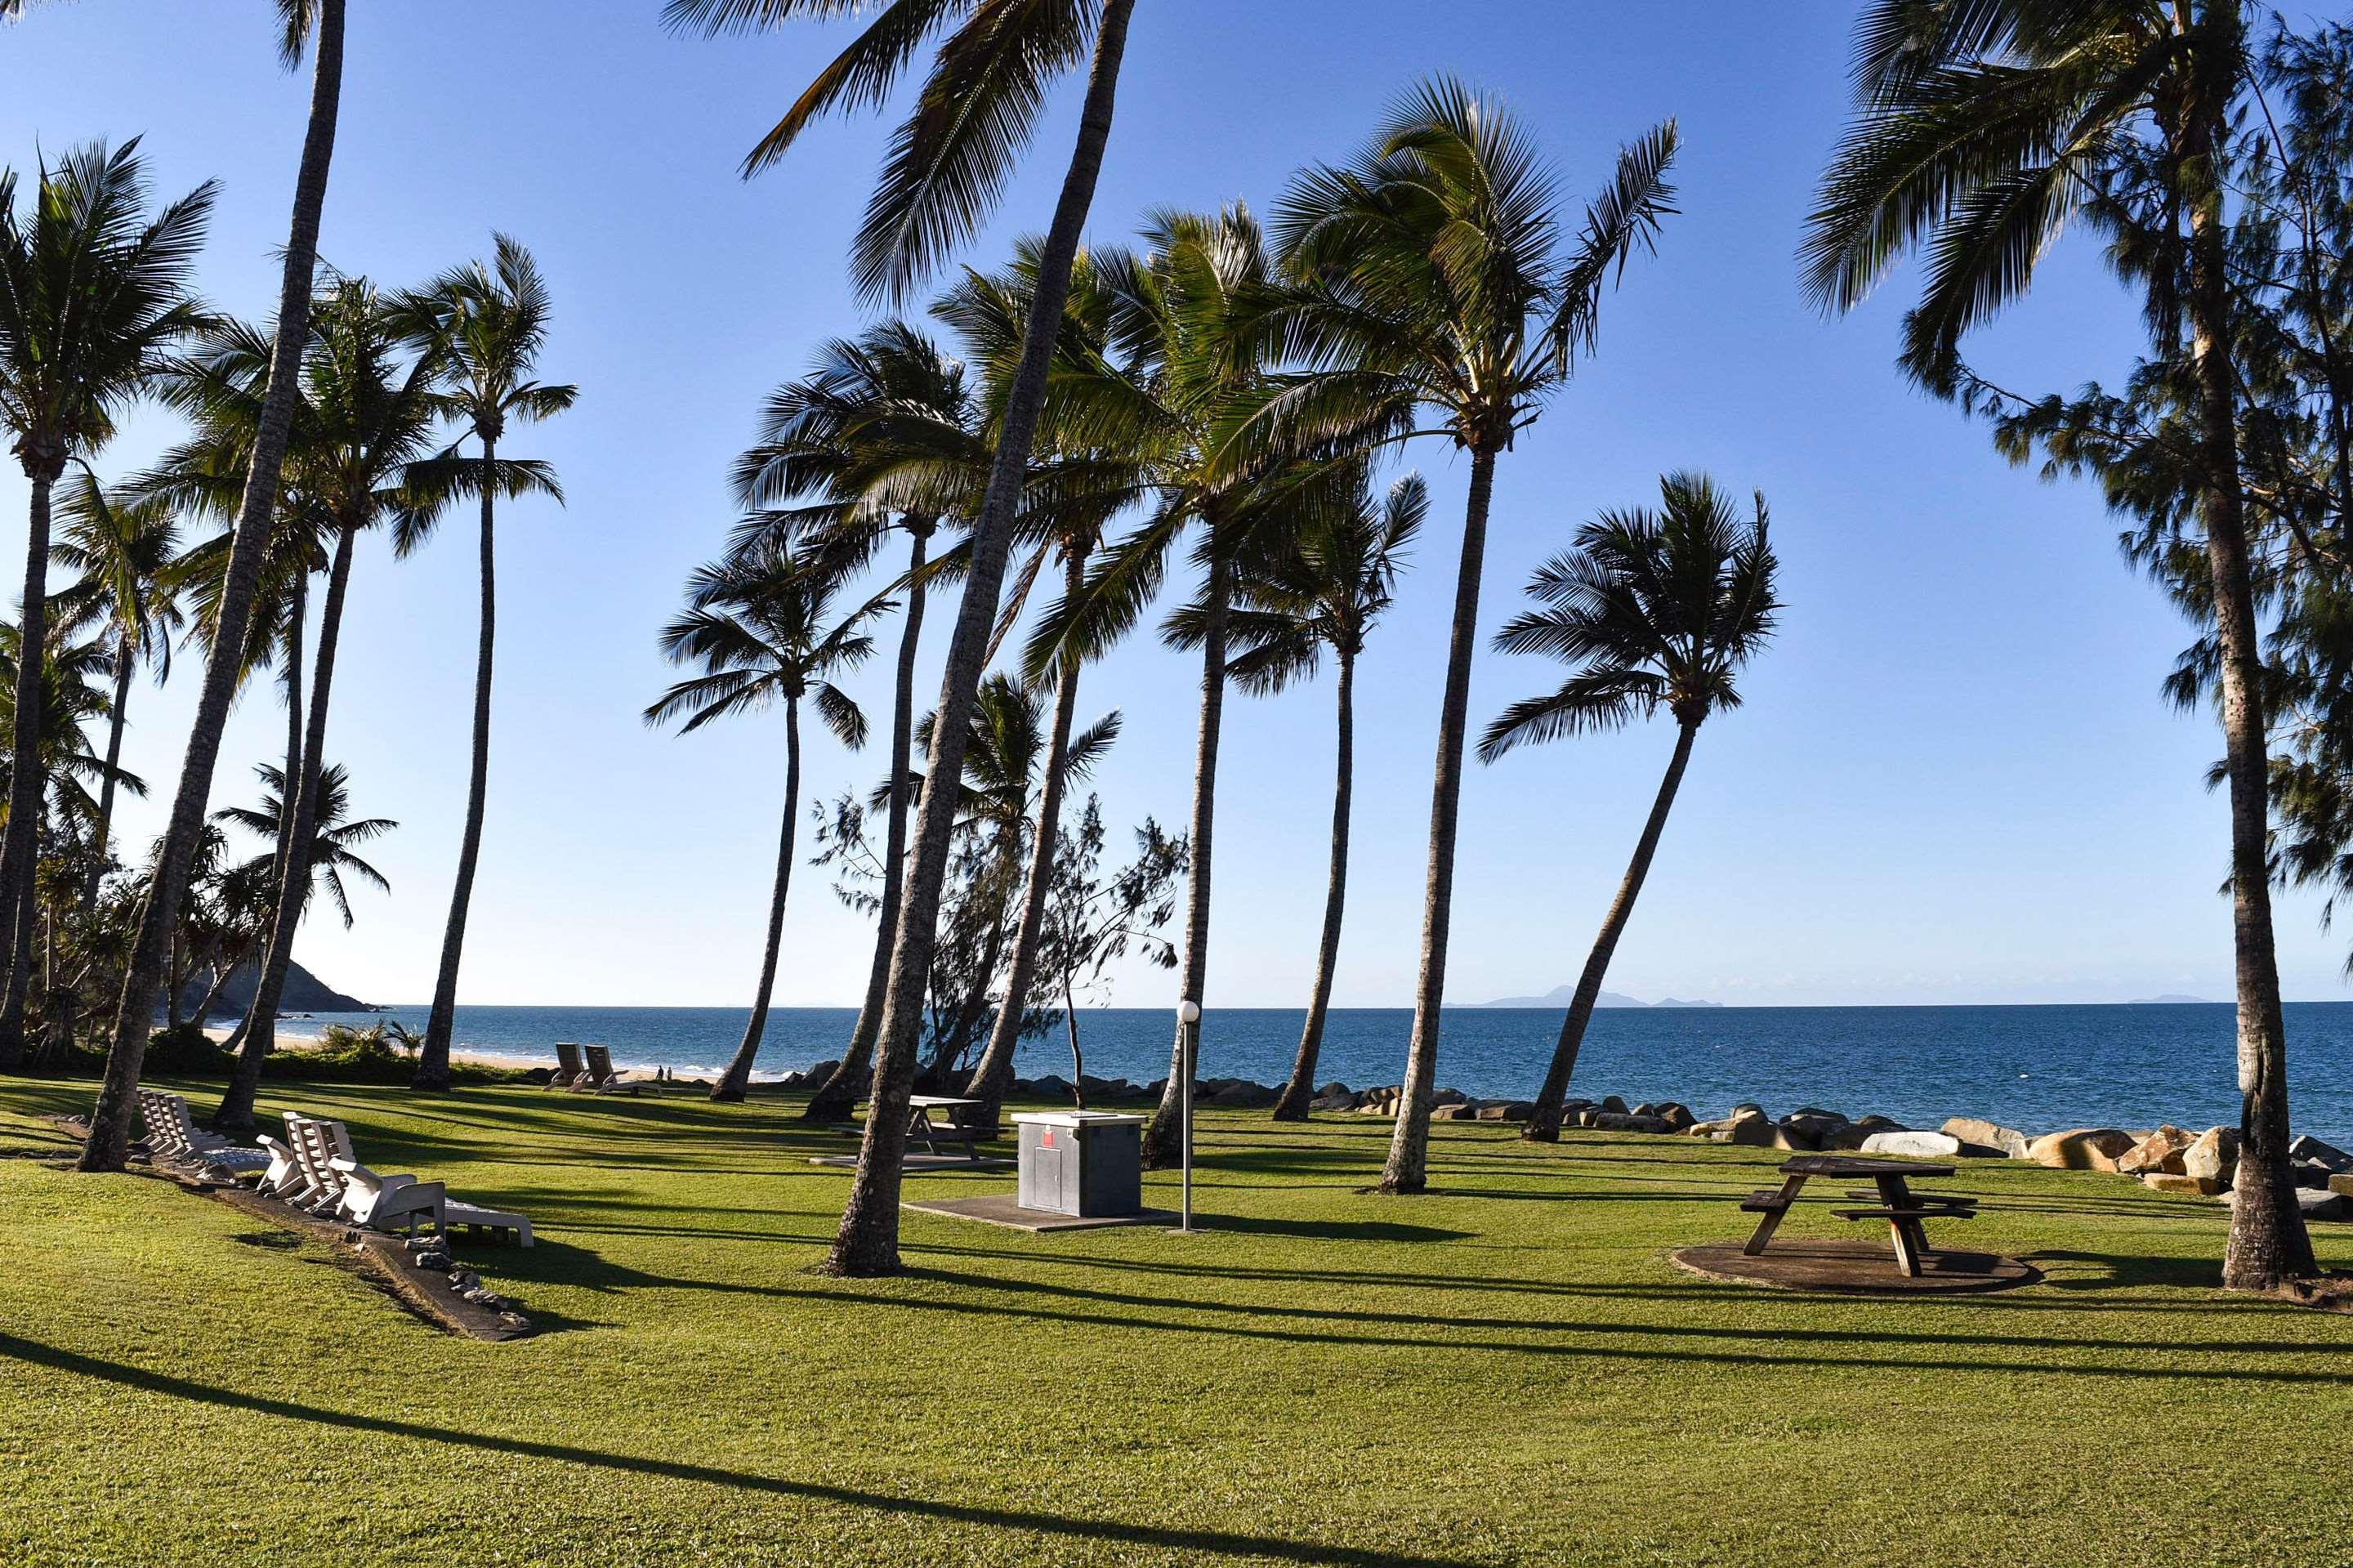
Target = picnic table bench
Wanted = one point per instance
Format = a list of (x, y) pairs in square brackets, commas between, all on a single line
[(1890, 1198)]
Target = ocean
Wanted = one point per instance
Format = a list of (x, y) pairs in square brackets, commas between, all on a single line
[(2037, 1068)]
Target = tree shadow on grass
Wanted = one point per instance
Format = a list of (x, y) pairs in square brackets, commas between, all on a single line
[(1194, 1542), (1338, 1230)]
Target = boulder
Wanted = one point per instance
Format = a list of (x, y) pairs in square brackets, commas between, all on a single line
[(2341, 1184), (1734, 1114), (2174, 1182), (1052, 1087), (1336, 1089), (1583, 1116), (1626, 1121), (1850, 1139), (816, 1076), (1243, 1093), (2213, 1154), (1817, 1110), (1613, 1104), (1913, 1145), (1990, 1136), (2160, 1152), (1450, 1112), (1507, 1110), (2307, 1147), (2081, 1148), (1450, 1098), (2309, 1175), (2324, 1206), (1749, 1131), (1342, 1101), (1675, 1114), (1811, 1127)]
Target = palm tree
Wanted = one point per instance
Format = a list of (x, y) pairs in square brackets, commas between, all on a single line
[(1432, 274), (1654, 610), (1981, 128), (125, 546), (93, 295), (488, 325), (948, 164), (368, 411), (109, 1141), (334, 835), (1322, 590), (756, 624), (884, 434)]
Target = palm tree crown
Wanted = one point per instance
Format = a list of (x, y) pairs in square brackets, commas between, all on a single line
[(1657, 610), (332, 855), (757, 625)]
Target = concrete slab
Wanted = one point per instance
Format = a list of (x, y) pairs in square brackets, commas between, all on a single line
[(929, 1164), (1000, 1208)]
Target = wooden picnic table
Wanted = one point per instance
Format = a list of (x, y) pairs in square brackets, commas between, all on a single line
[(931, 1134), (1893, 1200)]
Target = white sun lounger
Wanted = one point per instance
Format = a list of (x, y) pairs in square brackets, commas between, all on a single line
[(316, 1145), (379, 1203), (173, 1134), (285, 1172)]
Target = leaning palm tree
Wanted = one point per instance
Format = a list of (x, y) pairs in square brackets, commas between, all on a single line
[(126, 548), (949, 164), (335, 834), (110, 1125), (1981, 129), (489, 323), (1654, 610), (1432, 275), (364, 428), (1322, 590), (94, 293), (758, 624), (882, 435)]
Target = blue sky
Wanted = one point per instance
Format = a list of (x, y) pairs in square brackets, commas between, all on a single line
[(1953, 780)]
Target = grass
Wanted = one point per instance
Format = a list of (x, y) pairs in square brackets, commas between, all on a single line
[(1505, 1371)]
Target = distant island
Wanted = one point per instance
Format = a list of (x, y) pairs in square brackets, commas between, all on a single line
[(2169, 999), (1560, 994)]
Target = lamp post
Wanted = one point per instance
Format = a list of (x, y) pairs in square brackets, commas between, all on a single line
[(1189, 1020)]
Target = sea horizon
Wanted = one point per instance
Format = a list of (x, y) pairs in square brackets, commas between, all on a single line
[(2035, 1066)]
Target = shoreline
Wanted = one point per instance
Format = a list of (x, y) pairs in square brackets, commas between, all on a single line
[(218, 1033)]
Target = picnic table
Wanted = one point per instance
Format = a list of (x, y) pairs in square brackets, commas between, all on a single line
[(1892, 1200), (931, 1134)]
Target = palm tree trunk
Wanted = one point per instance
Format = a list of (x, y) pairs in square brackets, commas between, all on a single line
[(297, 617), (994, 1075), (837, 1094), (126, 656), (222, 967), (109, 1124), (1409, 1161), (176, 980), (1164, 1138), (1292, 1105), (1544, 1127), (738, 1076), (294, 880), (868, 1241), (2268, 1241), (433, 1055), (22, 841)]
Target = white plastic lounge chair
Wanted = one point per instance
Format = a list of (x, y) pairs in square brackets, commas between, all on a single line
[(454, 1212), (285, 1172), (173, 1134), (317, 1145), (381, 1202)]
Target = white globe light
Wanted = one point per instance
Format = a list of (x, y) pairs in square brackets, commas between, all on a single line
[(1189, 1011)]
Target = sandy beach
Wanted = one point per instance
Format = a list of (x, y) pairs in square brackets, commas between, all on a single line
[(287, 1041)]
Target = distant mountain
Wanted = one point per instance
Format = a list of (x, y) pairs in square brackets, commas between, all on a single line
[(304, 993), (1559, 995), (2169, 998)]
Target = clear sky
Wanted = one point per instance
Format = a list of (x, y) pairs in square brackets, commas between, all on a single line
[(1953, 781)]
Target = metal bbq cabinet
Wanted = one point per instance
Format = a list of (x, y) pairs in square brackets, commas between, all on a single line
[(1087, 1164)]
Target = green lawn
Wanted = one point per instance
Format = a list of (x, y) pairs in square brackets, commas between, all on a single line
[(1507, 1371)]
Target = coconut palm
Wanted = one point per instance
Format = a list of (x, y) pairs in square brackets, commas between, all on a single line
[(126, 547), (948, 164), (882, 435), (758, 624), (489, 323), (1320, 590), (109, 1141), (1654, 610), (335, 834), (94, 293), (364, 424), (1981, 129), (1432, 275)]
